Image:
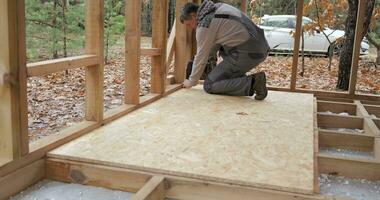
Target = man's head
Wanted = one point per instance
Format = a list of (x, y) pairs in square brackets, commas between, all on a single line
[(189, 15)]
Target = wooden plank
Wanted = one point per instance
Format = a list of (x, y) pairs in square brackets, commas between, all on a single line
[(190, 189), (376, 149), (357, 46), (370, 102), (337, 100), (132, 51), (154, 189), (296, 48), (7, 145), (13, 104), (94, 73), (180, 45), (15, 182), (67, 134), (337, 107), (315, 147), (332, 139), (118, 112), (21, 97), (332, 94), (58, 65), (360, 110), (177, 187), (159, 40), (95, 175), (170, 47), (151, 52), (373, 110), (349, 167), (339, 121)]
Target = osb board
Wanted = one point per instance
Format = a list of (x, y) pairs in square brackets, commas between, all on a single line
[(235, 140)]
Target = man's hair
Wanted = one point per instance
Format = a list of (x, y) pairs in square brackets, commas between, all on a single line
[(188, 9)]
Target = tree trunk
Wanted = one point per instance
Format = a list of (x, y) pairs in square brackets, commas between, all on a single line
[(54, 24), (64, 28), (345, 60)]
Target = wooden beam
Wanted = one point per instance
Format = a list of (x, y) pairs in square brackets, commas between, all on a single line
[(180, 45), (14, 182), (333, 94), (339, 121), (170, 47), (176, 187), (151, 52), (190, 189), (159, 40), (154, 189), (95, 175), (132, 51), (13, 104), (94, 73), (357, 46), (315, 147), (296, 48), (63, 136), (334, 139), (337, 107), (58, 65), (349, 167)]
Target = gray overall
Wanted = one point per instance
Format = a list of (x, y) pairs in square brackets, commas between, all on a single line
[(229, 77)]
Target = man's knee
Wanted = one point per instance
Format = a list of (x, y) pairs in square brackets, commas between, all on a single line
[(207, 86)]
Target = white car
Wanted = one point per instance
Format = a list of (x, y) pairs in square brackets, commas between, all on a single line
[(278, 28)]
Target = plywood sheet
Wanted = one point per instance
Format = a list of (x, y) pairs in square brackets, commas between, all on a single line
[(236, 140)]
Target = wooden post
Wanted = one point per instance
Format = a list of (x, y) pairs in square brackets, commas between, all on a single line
[(13, 105), (180, 45), (357, 45), (159, 39), (94, 74), (132, 51), (296, 45)]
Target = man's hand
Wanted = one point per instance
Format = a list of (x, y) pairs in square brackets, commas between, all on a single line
[(187, 84)]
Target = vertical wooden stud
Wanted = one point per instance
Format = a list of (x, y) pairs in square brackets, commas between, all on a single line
[(132, 51), (357, 44), (180, 45), (94, 45), (159, 39), (13, 105)]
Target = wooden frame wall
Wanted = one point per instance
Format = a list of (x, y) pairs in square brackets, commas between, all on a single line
[(92, 60)]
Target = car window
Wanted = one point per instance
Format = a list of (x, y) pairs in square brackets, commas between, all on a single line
[(276, 22), (292, 22)]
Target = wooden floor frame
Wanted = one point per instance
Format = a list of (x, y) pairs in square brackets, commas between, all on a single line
[(162, 185)]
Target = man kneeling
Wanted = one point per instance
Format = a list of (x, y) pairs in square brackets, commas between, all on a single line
[(242, 47)]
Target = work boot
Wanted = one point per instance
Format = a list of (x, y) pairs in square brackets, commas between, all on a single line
[(260, 86)]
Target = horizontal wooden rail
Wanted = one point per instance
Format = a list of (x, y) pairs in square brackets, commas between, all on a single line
[(58, 65), (151, 52)]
